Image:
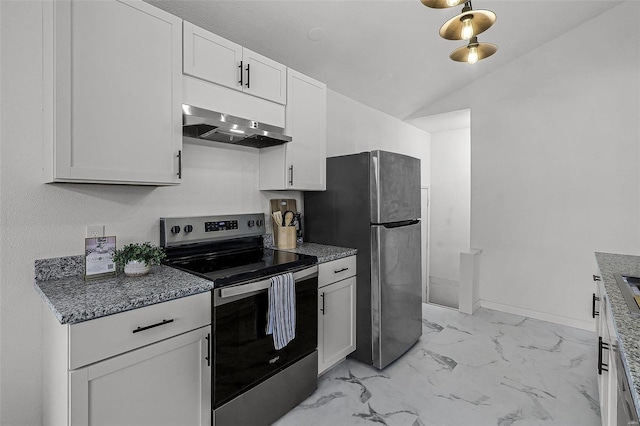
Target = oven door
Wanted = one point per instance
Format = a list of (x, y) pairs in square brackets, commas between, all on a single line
[(244, 355)]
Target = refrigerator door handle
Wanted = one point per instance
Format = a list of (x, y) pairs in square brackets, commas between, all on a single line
[(400, 224)]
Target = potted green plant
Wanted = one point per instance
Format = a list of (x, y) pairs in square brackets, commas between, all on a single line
[(137, 258)]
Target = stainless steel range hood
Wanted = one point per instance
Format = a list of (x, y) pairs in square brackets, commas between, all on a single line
[(214, 126)]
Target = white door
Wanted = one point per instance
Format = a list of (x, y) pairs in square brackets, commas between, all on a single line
[(307, 125), (166, 383), (337, 316), (117, 92), (210, 57), (264, 77)]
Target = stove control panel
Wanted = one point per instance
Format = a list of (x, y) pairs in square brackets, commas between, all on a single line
[(223, 225), (175, 231)]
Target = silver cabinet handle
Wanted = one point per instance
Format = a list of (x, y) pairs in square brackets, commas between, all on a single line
[(291, 175)]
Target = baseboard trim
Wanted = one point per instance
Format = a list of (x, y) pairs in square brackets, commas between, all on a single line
[(476, 305), (556, 319)]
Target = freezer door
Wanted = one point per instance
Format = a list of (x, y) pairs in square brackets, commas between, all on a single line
[(395, 291), (394, 187)]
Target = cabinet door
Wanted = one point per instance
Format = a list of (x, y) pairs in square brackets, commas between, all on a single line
[(336, 323), (301, 163), (167, 383), (210, 57), (264, 77), (307, 124), (116, 92)]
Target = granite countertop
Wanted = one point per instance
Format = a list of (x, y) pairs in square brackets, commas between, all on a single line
[(323, 252), (627, 326), (60, 282)]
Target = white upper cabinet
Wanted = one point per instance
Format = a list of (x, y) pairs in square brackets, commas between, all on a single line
[(301, 163), (215, 59), (113, 92)]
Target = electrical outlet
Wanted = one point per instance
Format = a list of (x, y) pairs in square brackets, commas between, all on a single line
[(94, 231)]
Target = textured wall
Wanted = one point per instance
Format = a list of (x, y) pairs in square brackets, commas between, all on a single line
[(554, 166)]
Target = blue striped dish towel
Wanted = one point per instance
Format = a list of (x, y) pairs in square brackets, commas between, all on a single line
[(281, 316)]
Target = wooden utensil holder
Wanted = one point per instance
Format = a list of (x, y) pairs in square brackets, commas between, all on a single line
[(286, 237)]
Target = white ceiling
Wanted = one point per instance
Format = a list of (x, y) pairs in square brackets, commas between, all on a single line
[(386, 54)]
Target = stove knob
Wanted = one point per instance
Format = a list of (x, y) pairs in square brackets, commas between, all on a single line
[(188, 228), (251, 223), (260, 222), (175, 229)]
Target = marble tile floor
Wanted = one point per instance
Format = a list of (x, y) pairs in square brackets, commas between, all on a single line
[(490, 368)]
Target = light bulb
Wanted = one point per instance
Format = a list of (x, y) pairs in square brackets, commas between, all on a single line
[(452, 3), (472, 58), (467, 28)]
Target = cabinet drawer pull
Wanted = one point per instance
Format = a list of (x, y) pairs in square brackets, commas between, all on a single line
[(291, 175), (208, 358), (248, 74), (340, 270), (322, 309), (241, 73), (593, 306), (601, 365), (179, 164), (164, 321)]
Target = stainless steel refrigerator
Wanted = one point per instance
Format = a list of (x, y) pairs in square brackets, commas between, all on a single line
[(372, 203)]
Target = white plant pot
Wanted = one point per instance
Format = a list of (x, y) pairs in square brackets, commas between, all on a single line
[(136, 268)]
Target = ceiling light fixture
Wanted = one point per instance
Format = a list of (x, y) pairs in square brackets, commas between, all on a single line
[(466, 26), (441, 4), (473, 52)]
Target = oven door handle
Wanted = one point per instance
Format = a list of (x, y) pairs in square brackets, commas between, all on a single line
[(241, 289)]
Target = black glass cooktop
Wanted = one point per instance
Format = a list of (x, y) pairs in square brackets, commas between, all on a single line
[(240, 265)]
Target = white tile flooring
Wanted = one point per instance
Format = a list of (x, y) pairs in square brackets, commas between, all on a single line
[(490, 368)]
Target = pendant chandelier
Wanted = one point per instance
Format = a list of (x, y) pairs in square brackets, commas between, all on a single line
[(466, 26)]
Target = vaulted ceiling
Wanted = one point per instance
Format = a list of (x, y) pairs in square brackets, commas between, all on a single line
[(386, 54)]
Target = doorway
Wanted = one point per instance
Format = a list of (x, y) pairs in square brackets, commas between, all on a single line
[(447, 203)]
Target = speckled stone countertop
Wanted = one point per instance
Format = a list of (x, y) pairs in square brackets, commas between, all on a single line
[(60, 282), (627, 326), (323, 252)]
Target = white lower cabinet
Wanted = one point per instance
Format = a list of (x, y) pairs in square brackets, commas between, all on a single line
[(166, 383), (607, 353), (152, 366), (336, 312)]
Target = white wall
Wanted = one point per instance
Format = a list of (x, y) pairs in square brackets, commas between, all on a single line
[(353, 127), (48, 220), (450, 202), (554, 166)]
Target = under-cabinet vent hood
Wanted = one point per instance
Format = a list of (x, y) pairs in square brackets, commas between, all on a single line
[(214, 126)]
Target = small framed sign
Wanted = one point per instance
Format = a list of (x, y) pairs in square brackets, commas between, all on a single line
[(99, 257)]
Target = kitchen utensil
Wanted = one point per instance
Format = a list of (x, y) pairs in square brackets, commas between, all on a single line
[(287, 218), (277, 218)]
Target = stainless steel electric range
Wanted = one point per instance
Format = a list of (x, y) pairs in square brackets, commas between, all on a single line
[(253, 383)]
